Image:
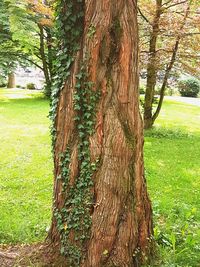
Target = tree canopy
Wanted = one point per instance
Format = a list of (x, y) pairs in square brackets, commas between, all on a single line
[(26, 35)]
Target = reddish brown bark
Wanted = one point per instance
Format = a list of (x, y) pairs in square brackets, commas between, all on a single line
[(121, 216)]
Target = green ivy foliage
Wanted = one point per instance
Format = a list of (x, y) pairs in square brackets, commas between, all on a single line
[(75, 215), (69, 28)]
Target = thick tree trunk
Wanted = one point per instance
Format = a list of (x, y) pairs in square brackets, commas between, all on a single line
[(120, 210), (152, 68), (11, 80)]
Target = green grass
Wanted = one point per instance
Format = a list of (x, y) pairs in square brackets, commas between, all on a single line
[(172, 163), (25, 166)]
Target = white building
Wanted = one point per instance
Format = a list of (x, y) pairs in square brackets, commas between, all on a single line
[(29, 75)]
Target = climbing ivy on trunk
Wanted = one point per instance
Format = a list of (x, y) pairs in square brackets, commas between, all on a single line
[(100, 199)]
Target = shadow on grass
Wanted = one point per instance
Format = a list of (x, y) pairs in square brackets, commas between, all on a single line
[(25, 100)]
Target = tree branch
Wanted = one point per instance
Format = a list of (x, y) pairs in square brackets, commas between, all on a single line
[(175, 4), (17, 55), (143, 16)]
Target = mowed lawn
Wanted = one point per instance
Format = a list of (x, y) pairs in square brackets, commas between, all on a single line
[(172, 163), (25, 166)]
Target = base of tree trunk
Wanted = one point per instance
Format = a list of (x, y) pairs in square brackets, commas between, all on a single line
[(148, 124), (11, 80)]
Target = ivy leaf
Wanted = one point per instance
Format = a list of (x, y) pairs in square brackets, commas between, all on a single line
[(105, 252), (62, 250)]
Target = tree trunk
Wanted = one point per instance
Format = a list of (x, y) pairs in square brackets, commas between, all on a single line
[(170, 66), (11, 80), (152, 68), (165, 80), (44, 62), (149, 117), (102, 213), (50, 51)]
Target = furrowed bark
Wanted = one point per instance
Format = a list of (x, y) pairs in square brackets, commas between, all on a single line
[(121, 213)]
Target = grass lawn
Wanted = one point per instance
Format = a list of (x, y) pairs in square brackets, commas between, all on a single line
[(172, 162), (25, 166)]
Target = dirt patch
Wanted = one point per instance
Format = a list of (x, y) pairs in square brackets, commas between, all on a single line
[(34, 255)]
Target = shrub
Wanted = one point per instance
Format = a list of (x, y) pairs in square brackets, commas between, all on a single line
[(142, 89), (189, 87), (157, 90), (169, 91), (30, 86), (3, 82)]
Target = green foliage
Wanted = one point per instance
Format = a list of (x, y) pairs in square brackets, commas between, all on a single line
[(155, 102), (22, 25), (67, 24), (3, 81), (189, 87), (168, 90), (162, 132), (172, 171), (19, 86), (92, 31), (5, 40), (30, 86), (21, 40), (75, 214), (142, 89), (179, 240), (11, 52), (4, 22)]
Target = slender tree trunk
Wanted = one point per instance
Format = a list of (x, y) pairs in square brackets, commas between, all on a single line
[(50, 51), (44, 62), (152, 68), (11, 80), (170, 66), (165, 80), (119, 215)]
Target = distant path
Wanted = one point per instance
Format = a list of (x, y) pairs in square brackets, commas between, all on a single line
[(187, 100)]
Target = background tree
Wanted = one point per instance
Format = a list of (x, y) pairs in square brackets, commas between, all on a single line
[(167, 30), (29, 32), (7, 62), (43, 17), (102, 214)]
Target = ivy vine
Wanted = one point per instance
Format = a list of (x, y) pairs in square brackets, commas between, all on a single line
[(69, 21), (74, 218)]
